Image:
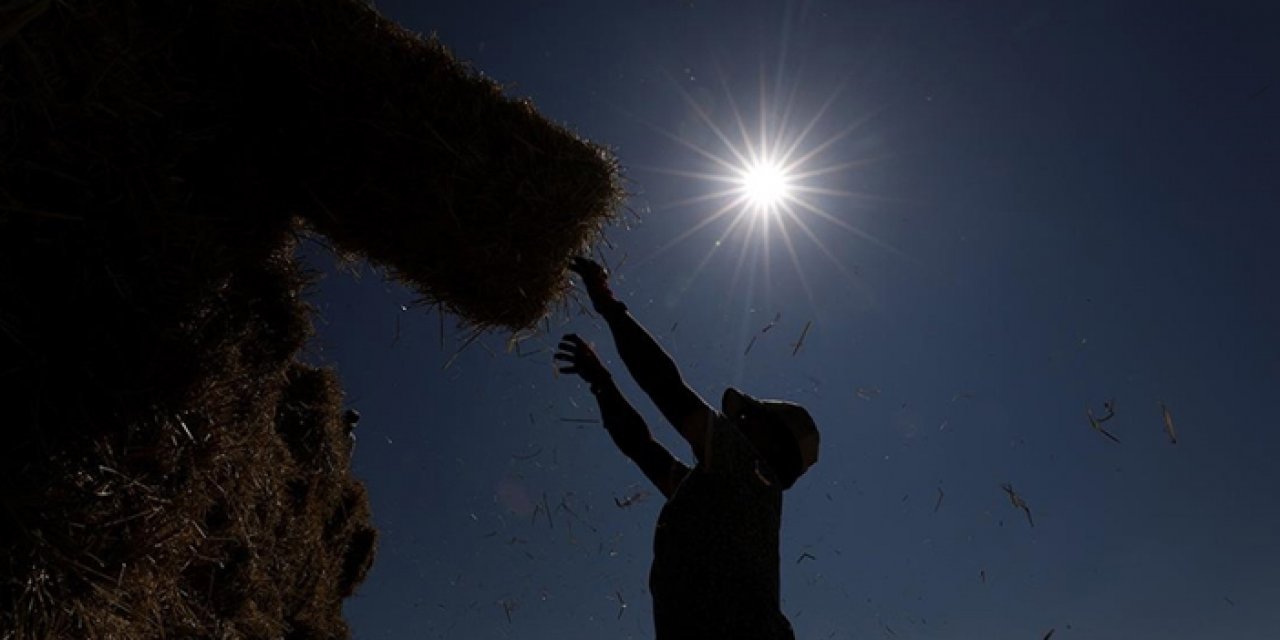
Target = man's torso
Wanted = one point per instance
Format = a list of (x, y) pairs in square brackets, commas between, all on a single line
[(715, 568)]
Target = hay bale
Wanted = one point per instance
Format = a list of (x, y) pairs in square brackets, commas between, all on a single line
[(379, 138), (171, 470)]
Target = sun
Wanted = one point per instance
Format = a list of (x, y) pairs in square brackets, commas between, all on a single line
[(766, 185)]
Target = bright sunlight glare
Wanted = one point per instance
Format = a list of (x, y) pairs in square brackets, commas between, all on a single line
[(770, 177), (765, 185)]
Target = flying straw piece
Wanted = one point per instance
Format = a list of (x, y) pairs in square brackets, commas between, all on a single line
[(474, 336), (1168, 424), (803, 556), (564, 505), (1018, 502), (772, 323), (622, 604), (767, 327), (631, 499), (1096, 423), (526, 354), (1048, 635), (517, 337), (938, 504), (800, 342)]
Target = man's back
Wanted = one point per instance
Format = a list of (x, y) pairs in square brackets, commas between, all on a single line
[(715, 569)]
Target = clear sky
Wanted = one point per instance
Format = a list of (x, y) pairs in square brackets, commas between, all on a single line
[(1019, 210)]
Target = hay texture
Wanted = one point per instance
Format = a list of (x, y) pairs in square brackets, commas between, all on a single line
[(171, 469)]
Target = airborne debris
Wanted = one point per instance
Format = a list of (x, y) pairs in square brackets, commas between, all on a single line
[(517, 337), (526, 354), (800, 342), (543, 507), (1168, 424), (763, 331), (1048, 635), (1096, 423), (622, 604), (804, 555), (772, 323), (938, 504), (1018, 502), (564, 506), (475, 335), (631, 499)]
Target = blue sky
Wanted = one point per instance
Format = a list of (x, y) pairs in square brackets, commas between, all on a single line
[(1055, 204)]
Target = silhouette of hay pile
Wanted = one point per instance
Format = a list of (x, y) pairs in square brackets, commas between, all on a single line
[(171, 469)]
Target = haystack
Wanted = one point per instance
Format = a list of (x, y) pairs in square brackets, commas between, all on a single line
[(172, 469)]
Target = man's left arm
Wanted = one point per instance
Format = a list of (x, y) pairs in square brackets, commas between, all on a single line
[(632, 436), (624, 424)]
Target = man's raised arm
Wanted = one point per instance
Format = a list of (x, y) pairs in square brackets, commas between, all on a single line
[(651, 366), (621, 420)]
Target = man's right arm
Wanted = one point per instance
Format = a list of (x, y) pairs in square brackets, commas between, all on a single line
[(657, 374), (648, 363)]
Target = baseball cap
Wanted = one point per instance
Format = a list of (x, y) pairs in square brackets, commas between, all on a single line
[(791, 417)]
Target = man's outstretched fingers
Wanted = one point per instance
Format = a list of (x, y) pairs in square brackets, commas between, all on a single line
[(584, 266)]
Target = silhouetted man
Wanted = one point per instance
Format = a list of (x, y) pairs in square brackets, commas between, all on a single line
[(715, 571)]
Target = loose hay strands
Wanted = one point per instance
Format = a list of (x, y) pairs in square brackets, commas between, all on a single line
[(470, 197)]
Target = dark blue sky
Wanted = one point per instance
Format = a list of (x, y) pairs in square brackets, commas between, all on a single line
[(1068, 203)]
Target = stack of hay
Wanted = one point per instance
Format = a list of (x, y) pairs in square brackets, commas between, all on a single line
[(172, 469)]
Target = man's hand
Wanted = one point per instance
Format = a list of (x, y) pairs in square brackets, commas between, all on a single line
[(582, 360), (596, 280)]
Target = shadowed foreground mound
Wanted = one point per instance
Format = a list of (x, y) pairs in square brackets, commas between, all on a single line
[(170, 468)]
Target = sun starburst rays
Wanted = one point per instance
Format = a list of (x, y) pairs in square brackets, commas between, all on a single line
[(768, 178)]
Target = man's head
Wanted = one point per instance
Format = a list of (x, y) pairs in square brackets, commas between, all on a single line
[(783, 432)]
